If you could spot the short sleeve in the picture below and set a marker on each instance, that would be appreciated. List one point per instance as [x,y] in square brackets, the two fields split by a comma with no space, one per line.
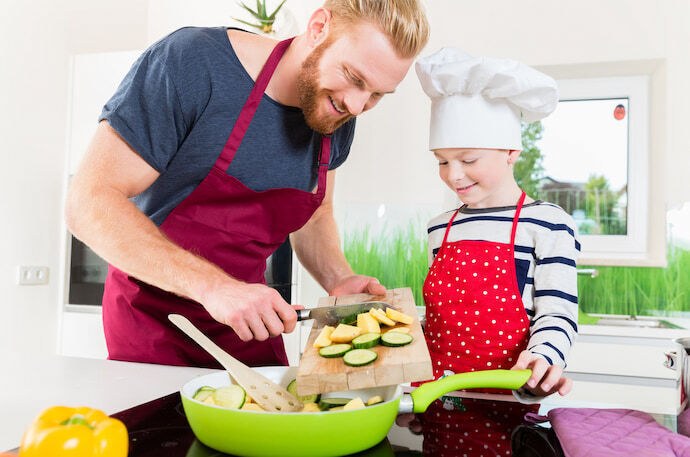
[146,111]
[344,136]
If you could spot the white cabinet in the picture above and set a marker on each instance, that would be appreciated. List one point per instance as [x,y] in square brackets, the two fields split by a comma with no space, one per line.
[94,79]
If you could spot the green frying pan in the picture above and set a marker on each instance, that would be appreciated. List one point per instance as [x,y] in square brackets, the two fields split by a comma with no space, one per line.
[322,434]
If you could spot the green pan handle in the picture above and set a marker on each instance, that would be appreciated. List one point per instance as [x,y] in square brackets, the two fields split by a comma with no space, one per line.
[425,394]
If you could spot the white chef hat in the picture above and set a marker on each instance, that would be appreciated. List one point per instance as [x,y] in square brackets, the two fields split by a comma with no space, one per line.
[476,102]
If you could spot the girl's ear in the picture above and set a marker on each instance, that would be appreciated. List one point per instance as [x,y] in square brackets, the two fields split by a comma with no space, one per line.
[513,155]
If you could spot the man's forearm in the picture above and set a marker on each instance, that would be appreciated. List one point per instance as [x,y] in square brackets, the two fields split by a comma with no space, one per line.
[317,246]
[120,233]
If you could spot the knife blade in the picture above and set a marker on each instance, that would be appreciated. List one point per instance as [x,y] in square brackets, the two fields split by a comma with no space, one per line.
[331,315]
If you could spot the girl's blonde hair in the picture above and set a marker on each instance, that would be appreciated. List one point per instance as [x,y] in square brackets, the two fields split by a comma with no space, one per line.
[403,21]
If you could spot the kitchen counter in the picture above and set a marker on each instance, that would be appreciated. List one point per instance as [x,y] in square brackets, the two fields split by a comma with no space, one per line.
[49,380]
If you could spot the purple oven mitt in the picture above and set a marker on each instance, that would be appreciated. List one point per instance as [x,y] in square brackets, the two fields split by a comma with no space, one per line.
[587,432]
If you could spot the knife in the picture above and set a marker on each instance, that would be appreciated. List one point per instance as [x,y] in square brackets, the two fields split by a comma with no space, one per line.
[331,315]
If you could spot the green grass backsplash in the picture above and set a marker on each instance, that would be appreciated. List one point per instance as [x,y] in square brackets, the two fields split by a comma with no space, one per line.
[398,258]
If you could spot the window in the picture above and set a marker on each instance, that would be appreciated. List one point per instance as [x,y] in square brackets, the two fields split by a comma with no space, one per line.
[594,151]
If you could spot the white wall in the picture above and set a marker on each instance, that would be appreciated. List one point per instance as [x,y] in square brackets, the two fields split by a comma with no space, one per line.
[36,39]
[584,38]
[389,157]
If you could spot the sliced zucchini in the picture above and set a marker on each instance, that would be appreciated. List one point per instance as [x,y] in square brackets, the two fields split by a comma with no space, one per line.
[334,350]
[203,392]
[328,403]
[292,388]
[203,395]
[232,396]
[366,341]
[395,339]
[359,357]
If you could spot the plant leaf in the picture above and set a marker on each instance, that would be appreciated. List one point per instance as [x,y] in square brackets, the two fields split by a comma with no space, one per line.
[249,23]
[262,9]
[251,11]
[273,15]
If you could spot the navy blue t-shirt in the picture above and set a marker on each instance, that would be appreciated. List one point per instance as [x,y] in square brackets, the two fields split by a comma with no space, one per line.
[177,106]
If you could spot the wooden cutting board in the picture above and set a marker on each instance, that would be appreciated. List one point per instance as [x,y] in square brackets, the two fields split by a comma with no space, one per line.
[394,365]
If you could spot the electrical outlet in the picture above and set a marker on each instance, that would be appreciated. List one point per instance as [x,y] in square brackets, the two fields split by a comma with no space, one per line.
[32,275]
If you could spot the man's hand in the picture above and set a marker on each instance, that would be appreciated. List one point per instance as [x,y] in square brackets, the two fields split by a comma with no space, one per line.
[356,284]
[546,379]
[253,311]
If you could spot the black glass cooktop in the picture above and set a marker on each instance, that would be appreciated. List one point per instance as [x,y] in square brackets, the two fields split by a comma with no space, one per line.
[451,428]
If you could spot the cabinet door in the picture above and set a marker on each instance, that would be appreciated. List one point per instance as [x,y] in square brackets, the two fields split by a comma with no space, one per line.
[94,79]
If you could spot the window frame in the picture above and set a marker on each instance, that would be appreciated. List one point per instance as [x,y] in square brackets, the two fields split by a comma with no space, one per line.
[634,246]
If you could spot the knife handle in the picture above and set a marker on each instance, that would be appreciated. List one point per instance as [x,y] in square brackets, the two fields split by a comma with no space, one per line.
[303,314]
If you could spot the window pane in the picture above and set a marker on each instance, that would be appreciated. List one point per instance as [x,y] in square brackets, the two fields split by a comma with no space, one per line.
[584,149]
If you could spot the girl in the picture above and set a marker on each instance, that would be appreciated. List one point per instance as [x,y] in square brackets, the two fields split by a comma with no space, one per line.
[501,291]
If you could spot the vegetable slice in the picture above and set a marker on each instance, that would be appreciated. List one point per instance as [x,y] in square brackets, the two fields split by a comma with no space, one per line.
[203,393]
[366,341]
[375,399]
[359,357]
[292,388]
[395,339]
[232,396]
[328,403]
[334,350]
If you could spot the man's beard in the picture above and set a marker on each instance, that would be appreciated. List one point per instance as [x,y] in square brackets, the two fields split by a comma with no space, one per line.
[309,92]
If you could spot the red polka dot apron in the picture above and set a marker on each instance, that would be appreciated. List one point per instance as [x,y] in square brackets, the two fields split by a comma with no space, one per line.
[480,428]
[475,319]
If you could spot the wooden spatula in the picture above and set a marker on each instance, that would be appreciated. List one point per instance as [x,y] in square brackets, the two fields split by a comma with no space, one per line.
[269,395]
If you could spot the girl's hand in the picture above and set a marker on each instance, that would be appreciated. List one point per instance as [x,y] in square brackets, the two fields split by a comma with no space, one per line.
[546,379]
[411,421]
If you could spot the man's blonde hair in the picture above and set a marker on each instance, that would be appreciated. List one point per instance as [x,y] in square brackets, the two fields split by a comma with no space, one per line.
[403,21]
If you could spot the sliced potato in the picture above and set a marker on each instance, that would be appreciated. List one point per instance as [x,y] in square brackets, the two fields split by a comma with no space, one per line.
[345,333]
[209,400]
[252,407]
[367,323]
[381,317]
[375,399]
[311,408]
[324,339]
[355,403]
[337,408]
[398,316]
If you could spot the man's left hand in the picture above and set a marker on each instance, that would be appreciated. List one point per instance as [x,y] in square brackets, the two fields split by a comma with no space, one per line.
[357,284]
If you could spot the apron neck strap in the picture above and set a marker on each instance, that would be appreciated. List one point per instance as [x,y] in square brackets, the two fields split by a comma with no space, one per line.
[250,106]
[516,218]
[324,160]
[450,224]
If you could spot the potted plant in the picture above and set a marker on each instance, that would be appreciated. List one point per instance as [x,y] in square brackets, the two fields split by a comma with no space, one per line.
[264,19]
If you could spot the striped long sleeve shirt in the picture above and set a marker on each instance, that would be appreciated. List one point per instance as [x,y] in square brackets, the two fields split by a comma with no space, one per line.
[546,250]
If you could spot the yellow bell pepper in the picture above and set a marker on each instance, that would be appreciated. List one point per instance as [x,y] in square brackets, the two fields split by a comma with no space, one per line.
[74,432]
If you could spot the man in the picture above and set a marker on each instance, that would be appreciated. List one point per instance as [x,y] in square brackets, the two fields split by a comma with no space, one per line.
[227,143]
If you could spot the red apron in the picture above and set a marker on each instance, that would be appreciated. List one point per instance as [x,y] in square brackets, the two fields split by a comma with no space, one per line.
[231,226]
[475,319]
[479,428]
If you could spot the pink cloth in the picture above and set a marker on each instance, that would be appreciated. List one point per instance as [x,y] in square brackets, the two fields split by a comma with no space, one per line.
[586,432]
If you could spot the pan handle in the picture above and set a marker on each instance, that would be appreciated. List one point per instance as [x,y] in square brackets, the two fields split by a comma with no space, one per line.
[425,394]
